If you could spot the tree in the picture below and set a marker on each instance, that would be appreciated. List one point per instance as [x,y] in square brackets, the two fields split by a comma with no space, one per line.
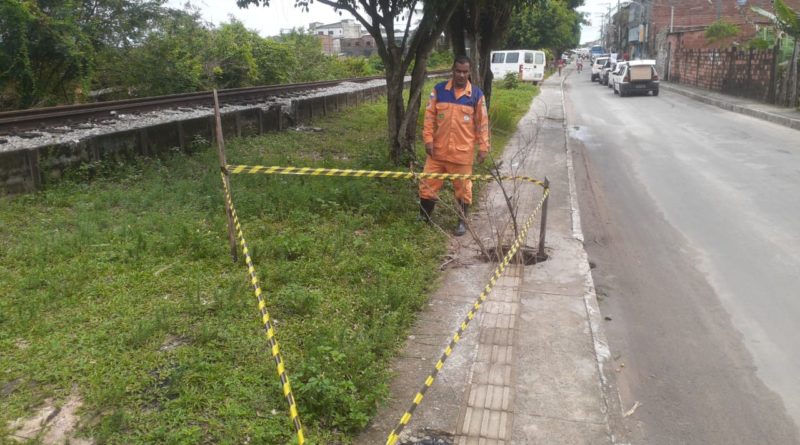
[399,47]
[43,51]
[172,58]
[232,62]
[554,25]
[49,48]
[484,23]
[789,21]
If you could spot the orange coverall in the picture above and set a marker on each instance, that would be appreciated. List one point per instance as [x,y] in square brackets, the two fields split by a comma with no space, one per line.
[455,121]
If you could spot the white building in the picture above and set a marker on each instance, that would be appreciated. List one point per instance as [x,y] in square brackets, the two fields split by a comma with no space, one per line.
[345,29]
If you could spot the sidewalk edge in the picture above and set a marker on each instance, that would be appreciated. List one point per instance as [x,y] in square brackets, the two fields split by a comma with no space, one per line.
[612,408]
[759,114]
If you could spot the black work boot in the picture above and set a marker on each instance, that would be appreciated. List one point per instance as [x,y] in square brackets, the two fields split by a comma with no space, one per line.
[461,228]
[426,209]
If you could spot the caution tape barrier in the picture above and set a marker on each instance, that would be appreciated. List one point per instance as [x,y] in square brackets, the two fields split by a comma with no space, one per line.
[270,331]
[307,171]
[498,272]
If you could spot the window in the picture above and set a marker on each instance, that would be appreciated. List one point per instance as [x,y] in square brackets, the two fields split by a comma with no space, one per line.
[539,58]
[512,57]
[330,33]
[528,57]
[369,42]
[498,57]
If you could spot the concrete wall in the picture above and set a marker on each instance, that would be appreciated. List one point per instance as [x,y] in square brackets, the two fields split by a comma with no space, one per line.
[27,170]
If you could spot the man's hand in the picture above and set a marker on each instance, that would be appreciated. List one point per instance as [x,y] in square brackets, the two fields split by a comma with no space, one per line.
[482,156]
[429,148]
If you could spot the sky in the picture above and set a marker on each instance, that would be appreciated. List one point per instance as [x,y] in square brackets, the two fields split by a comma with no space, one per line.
[268,21]
[594,10]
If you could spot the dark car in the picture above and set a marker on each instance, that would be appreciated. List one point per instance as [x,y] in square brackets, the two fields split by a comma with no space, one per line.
[637,77]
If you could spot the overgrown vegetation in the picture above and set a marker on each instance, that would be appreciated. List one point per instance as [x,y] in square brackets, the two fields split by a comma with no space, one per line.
[510,81]
[721,30]
[121,288]
[55,52]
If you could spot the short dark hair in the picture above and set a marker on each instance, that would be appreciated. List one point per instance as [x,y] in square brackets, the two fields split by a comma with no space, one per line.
[462,60]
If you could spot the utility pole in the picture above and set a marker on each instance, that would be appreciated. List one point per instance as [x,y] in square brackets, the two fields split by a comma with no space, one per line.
[619,28]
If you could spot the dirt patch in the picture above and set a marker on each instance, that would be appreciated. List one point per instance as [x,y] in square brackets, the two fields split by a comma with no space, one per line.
[51,424]
[173,342]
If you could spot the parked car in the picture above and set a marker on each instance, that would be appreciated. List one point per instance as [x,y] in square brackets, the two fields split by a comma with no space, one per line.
[528,63]
[607,68]
[597,66]
[637,77]
[612,75]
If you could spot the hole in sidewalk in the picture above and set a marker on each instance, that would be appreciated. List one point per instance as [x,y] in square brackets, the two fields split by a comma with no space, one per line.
[439,438]
[530,255]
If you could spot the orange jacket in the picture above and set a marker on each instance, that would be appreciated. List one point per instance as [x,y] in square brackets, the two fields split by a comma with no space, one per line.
[455,121]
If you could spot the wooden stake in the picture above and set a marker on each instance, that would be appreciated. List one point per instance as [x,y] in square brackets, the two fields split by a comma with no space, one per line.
[226,177]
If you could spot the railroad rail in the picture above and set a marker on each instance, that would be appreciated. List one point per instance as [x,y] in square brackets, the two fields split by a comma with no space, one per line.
[35,118]
[18,121]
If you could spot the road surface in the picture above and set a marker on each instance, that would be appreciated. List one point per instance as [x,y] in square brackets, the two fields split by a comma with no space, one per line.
[691,216]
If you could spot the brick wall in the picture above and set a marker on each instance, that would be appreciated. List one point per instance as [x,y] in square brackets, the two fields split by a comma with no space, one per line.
[693,15]
[730,71]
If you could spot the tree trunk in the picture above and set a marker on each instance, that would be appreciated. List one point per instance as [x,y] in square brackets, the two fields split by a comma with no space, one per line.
[457,39]
[408,127]
[394,113]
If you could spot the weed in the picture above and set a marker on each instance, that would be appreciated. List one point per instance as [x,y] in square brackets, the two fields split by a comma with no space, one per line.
[511,81]
[98,275]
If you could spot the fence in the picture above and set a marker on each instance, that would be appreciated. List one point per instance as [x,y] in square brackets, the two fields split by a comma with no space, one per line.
[750,73]
[754,74]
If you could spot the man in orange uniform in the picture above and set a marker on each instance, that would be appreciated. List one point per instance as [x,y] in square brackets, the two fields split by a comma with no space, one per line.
[455,122]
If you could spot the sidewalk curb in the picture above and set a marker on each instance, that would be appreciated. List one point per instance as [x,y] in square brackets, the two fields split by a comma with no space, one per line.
[759,114]
[600,343]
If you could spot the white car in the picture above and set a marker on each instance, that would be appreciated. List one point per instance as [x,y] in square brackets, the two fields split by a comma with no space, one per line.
[617,70]
[637,77]
[597,66]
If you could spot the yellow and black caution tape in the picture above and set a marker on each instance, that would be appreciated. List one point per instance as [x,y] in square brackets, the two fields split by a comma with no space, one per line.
[498,272]
[308,171]
[270,331]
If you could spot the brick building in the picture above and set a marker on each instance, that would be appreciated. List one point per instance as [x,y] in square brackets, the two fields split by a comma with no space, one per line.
[334,35]
[648,28]
[362,46]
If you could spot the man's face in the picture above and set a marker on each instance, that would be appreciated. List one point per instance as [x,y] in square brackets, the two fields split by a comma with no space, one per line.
[460,74]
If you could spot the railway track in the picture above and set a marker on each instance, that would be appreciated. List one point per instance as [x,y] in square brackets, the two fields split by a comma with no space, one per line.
[20,121]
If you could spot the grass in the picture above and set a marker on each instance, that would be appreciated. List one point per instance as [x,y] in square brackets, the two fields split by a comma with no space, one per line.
[121,288]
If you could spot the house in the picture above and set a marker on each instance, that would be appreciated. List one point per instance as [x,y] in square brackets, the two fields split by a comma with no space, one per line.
[362,46]
[647,28]
[345,29]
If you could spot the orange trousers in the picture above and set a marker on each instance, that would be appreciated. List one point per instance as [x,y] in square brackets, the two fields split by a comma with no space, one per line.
[429,187]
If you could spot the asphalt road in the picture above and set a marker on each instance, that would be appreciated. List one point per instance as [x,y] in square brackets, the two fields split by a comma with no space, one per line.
[691,218]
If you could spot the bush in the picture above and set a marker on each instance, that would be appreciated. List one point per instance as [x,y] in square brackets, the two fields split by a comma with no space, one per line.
[440,60]
[511,81]
[721,30]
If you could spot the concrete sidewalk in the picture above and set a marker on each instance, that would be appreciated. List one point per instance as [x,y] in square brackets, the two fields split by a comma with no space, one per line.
[787,117]
[531,366]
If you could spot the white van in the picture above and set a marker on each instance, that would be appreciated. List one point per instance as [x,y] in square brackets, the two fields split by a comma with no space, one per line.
[527,63]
